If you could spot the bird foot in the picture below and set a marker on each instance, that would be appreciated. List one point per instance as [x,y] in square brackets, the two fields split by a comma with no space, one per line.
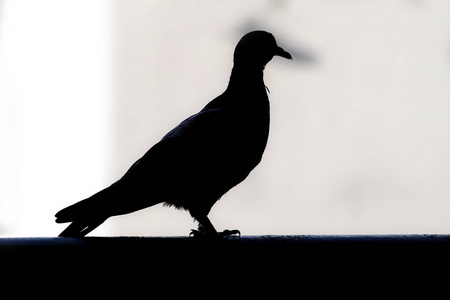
[227,233]
[224,234]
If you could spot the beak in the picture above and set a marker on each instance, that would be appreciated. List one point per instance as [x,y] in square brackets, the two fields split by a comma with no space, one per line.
[280,52]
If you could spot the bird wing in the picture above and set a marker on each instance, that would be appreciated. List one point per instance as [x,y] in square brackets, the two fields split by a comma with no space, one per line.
[200,158]
[196,142]
[164,173]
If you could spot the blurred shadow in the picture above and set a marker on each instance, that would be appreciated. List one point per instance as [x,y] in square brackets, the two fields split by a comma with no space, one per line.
[301,54]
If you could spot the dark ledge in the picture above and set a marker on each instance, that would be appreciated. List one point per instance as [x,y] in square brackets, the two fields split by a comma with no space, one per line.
[290,247]
[164,260]
[235,243]
[257,266]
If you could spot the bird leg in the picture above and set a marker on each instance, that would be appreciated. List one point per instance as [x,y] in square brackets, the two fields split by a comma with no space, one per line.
[207,230]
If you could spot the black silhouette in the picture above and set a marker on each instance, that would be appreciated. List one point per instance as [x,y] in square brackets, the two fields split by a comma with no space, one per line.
[199,160]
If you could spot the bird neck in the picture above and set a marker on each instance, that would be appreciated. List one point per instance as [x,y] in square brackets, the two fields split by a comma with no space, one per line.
[247,77]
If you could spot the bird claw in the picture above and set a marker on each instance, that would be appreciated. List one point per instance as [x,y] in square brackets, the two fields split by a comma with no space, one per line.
[224,234]
[227,233]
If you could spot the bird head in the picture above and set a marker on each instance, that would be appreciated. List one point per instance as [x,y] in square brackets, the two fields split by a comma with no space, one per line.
[257,48]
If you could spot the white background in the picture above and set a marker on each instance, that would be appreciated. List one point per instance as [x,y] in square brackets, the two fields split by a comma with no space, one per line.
[360,133]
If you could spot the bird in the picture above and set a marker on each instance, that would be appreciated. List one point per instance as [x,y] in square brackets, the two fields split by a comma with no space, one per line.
[199,160]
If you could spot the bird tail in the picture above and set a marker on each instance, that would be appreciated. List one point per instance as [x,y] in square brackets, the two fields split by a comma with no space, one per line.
[80,228]
[85,216]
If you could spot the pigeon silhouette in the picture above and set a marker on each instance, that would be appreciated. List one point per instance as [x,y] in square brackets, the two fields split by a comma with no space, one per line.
[202,158]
